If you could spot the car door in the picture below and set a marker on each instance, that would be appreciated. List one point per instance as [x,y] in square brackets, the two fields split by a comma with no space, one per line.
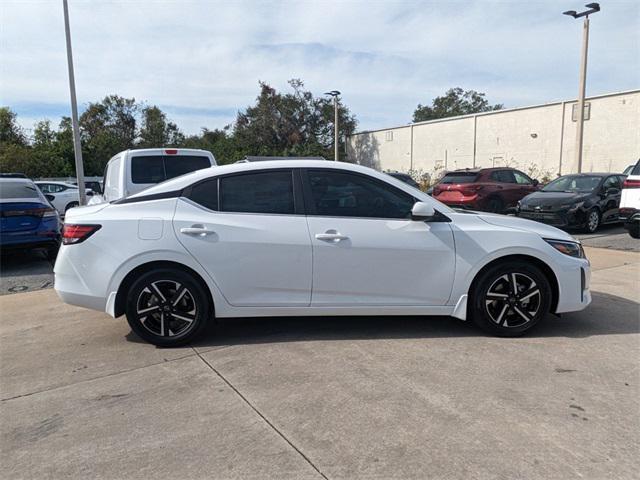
[610,194]
[249,232]
[526,185]
[366,250]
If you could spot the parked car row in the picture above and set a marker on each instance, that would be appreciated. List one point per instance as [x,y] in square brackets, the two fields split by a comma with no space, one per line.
[583,201]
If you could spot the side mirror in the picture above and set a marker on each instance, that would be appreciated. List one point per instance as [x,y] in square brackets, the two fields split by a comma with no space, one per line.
[535,182]
[49,197]
[422,211]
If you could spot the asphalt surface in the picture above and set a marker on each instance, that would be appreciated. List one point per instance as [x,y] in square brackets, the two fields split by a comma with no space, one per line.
[327,398]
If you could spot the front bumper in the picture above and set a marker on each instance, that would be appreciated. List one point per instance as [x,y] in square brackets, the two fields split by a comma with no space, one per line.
[556,218]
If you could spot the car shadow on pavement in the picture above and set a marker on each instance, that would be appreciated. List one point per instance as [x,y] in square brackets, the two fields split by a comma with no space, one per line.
[607,315]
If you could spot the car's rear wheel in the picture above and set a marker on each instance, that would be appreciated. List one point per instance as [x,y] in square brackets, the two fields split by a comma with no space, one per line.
[593,221]
[167,308]
[510,298]
[495,205]
[71,205]
[634,230]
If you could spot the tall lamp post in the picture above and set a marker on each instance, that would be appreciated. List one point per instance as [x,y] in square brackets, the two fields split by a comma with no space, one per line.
[593,8]
[77,146]
[334,94]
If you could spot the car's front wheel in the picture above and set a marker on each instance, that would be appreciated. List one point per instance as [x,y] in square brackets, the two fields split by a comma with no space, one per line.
[510,298]
[593,221]
[167,308]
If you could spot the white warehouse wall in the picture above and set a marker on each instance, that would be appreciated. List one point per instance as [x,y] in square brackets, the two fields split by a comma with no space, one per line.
[540,140]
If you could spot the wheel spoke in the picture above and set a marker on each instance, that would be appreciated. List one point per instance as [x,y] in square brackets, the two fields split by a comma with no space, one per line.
[178,295]
[162,324]
[184,317]
[523,314]
[514,283]
[148,310]
[529,293]
[158,292]
[496,295]
[502,312]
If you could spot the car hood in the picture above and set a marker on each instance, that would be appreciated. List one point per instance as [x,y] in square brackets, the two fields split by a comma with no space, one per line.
[549,200]
[545,231]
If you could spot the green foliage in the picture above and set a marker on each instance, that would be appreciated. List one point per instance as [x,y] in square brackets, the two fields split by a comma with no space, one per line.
[453,103]
[284,124]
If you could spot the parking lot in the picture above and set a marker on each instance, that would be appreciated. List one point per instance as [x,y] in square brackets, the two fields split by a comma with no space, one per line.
[334,397]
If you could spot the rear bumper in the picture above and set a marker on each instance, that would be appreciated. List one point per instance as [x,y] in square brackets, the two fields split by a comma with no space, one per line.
[72,276]
[629,215]
[9,241]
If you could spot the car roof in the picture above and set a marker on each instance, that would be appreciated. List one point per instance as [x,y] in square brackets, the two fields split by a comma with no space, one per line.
[188,179]
[56,182]
[15,180]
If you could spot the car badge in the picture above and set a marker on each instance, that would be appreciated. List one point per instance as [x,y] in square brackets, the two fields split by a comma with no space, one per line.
[538,207]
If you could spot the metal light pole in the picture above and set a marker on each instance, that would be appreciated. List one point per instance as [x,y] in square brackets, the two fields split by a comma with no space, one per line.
[77,146]
[593,8]
[334,94]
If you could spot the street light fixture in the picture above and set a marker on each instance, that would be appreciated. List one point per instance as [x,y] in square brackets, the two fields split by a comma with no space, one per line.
[593,8]
[334,94]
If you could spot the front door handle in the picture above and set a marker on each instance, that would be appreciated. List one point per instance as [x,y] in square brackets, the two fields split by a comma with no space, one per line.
[331,237]
[196,230]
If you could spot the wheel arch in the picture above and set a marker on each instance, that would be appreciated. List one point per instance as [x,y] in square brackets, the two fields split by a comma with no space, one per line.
[127,281]
[544,267]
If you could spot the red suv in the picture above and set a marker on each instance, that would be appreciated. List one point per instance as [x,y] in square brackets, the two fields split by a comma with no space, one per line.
[489,189]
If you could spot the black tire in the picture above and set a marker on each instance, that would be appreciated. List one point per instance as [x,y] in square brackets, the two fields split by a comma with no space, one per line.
[508,314]
[495,205]
[634,230]
[593,221]
[52,252]
[167,307]
[71,205]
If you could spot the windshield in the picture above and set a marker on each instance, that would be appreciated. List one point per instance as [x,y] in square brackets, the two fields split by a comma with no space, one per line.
[573,183]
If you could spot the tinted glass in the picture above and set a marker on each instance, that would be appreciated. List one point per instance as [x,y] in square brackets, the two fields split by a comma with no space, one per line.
[522,179]
[636,169]
[11,190]
[573,183]
[459,177]
[340,194]
[176,165]
[265,192]
[206,194]
[611,182]
[503,176]
[147,169]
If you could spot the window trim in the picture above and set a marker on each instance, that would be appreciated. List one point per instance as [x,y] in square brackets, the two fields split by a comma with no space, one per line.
[298,205]
[310,204]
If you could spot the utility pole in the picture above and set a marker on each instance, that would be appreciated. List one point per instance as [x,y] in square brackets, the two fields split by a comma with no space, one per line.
[77,146]
[593,8]
[336,134]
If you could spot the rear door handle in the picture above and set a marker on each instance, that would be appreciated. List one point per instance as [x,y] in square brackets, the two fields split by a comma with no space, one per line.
[198,231]
[331,237]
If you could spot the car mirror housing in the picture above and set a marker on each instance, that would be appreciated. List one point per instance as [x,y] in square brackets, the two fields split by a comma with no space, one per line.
[535,182]
[422,211]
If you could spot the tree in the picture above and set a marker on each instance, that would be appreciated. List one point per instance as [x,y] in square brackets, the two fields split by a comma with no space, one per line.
[156,131]
[290,124]
[454,102]
[10,131]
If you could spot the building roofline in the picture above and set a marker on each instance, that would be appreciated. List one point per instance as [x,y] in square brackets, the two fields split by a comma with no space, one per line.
[494,112]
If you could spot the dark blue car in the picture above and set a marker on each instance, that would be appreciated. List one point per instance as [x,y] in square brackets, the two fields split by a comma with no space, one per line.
[27,219]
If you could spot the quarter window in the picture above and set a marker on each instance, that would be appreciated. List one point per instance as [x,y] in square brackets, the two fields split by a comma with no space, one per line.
[264,192]
[206,194]
[339,194]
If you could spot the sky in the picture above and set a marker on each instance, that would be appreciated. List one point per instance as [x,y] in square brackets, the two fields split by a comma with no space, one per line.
[201,61]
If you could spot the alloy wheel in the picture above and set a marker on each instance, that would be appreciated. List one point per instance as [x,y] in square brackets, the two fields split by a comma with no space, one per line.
[593,220]
[513,300]
[166,308]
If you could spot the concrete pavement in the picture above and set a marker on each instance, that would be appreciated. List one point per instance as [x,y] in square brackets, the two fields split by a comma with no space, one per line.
[338,397]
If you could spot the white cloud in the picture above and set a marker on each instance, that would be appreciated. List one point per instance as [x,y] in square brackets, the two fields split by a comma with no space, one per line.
[202,60]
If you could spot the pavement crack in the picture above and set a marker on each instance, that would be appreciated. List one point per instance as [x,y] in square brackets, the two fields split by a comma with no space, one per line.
[255,409]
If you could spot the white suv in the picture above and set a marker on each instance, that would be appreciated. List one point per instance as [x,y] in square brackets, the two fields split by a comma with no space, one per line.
[630,202]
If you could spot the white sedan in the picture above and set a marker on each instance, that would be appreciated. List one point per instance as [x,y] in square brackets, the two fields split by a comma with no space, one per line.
[62,195]
[310,238]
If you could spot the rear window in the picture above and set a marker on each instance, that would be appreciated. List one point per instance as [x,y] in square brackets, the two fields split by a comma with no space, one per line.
[13,190]
[459,177]
[158,168]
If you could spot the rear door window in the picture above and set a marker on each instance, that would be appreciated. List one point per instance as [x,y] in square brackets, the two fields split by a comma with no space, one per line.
[147,169]
[176,165]
[158,168]
[264,192]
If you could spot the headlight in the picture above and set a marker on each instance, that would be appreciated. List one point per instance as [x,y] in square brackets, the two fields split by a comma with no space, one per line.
[572,206]
[573,249]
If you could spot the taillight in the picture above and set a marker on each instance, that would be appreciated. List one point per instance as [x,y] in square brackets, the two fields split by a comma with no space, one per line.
[631,183]
[72,234]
